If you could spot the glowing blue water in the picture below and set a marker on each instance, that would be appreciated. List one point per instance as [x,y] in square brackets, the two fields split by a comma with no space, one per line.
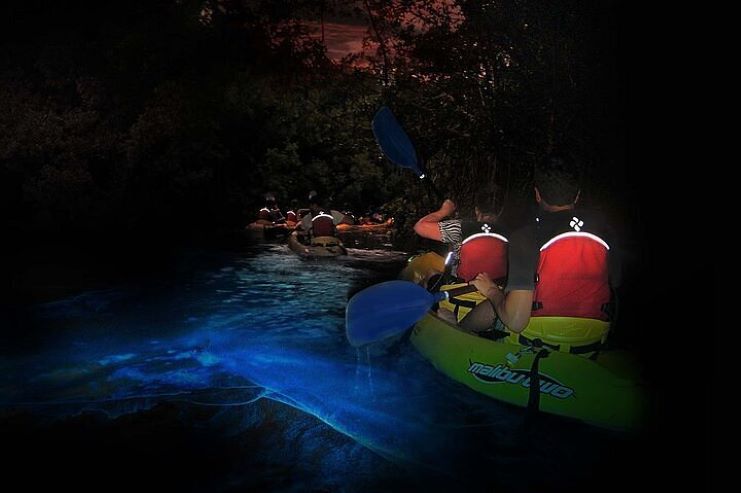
[234,331]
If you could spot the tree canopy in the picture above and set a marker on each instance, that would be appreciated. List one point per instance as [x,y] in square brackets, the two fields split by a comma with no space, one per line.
[142,115]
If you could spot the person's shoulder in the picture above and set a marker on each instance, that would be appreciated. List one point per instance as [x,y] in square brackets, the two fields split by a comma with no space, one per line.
[524,233]
[592,220]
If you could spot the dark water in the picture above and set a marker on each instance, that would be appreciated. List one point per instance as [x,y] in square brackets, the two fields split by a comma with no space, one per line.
[232,373]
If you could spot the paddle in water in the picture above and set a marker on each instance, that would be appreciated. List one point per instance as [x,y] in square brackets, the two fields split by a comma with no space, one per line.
[390,308]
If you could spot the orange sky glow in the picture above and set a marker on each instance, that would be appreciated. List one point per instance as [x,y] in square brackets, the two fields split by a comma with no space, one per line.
[340,39]
[345,39]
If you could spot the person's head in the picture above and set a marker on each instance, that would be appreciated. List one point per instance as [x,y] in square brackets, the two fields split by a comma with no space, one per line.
[487,204]
[315,202]
[556,181]
[270,200]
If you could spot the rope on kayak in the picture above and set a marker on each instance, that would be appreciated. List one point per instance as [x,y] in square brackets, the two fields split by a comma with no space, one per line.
[533,402]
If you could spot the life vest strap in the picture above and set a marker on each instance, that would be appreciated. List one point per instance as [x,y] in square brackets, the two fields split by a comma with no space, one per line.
[457,304]
[464,303]
[609,310]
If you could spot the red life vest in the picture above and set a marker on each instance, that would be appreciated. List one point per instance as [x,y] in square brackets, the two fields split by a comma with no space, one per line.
[322,224]
[265,214]
[572,277]
[483,252]
[291,216]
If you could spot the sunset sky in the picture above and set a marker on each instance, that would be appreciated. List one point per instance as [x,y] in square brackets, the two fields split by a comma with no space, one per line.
[344,35]
[341,39]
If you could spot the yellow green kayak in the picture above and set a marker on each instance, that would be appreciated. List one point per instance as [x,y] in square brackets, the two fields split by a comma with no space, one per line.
[603,389]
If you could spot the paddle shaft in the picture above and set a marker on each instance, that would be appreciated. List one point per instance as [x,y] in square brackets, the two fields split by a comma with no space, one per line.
[439,196]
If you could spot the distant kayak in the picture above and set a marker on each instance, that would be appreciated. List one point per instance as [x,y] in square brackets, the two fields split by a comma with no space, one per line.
[268,231]
[321,246]
[366,228]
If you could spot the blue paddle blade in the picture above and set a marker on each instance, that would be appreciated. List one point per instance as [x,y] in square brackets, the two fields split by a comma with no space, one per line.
[385,310]
[394,142]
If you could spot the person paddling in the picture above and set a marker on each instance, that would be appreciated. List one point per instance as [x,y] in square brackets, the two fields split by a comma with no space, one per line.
[321,221]
[270,214]
[477,245]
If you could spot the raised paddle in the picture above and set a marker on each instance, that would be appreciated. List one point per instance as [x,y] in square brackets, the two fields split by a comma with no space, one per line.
[390,308]
[397,146]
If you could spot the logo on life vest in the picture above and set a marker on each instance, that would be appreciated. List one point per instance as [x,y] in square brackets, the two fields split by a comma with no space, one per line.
[576,223]
[486,228]
[501,374]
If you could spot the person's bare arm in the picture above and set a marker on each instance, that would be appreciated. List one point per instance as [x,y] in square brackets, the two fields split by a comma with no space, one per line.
[513,308]
[428,227]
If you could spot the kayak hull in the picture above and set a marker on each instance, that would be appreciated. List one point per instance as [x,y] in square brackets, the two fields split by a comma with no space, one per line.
[267,231]
[604,390]
[331,247]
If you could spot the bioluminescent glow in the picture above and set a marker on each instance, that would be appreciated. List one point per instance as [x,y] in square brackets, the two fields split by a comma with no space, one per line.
[239,330]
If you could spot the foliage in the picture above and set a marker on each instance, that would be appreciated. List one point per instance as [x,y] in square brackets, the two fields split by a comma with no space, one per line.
[179,114]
